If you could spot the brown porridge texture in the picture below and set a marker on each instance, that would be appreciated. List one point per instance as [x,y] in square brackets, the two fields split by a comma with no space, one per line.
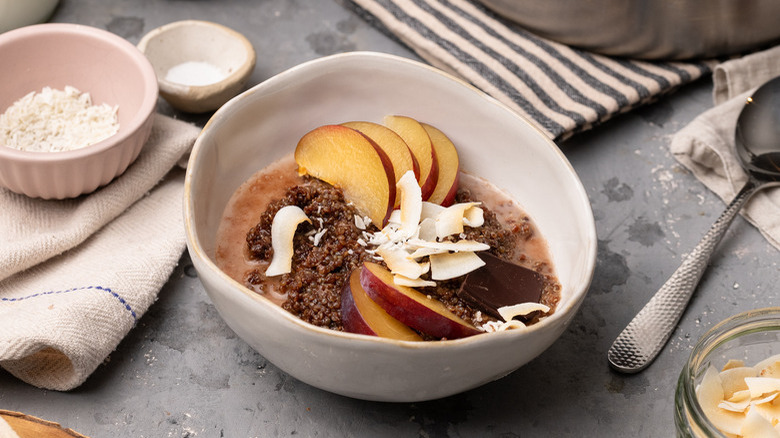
[320,272]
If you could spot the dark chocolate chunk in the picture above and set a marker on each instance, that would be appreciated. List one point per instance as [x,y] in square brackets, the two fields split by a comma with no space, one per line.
[500,283]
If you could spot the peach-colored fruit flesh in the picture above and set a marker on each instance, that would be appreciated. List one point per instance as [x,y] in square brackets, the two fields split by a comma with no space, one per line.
[394,146]
[360,314]
[420,144]
[349,160]
[412,307]
[449,167]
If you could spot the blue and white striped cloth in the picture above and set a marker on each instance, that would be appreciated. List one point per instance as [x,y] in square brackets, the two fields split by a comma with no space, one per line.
[563,89]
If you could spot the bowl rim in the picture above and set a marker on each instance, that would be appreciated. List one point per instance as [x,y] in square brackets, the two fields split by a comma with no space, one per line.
[233,77]
[148,104]
[197,251]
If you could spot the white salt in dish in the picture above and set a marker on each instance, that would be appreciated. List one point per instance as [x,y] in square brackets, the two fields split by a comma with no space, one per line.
[195,73]
[199,65]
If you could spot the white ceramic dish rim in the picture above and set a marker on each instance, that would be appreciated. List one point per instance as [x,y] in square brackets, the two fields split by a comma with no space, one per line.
[148,105]
[233,77]
[562,312]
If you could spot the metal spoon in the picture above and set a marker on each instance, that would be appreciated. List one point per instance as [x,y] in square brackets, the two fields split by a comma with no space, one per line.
[757,143]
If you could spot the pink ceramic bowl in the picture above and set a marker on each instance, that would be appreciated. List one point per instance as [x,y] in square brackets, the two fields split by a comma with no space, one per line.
[106,66]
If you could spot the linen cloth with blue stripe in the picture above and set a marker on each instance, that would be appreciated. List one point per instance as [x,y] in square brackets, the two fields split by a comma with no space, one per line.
[77,274]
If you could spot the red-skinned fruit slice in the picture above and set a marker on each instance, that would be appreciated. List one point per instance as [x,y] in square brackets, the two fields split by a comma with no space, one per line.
[412,307]
[394,146]
[351,161]
[449,167]
[360,314]
[420,144]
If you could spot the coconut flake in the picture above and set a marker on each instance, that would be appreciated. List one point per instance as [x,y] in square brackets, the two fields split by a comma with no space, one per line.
[318,236]
[759,386]
[474,217]
[283,228]
[450,220]
[412,282]
[427,230]
[398,261]
[360,223]
[739,406]
[755,425]
[733,380]
[430,210]
[710,393]
[424,247]
[522,309]
[411,203]
[453,265]
[495,326]
[395,218]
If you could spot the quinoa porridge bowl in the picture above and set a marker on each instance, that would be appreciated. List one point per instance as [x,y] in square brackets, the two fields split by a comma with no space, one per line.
[340,247]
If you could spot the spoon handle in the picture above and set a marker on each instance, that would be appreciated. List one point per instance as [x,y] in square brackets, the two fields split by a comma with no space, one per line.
[644,337]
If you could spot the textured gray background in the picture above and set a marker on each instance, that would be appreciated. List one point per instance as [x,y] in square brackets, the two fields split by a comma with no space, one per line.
[182,372]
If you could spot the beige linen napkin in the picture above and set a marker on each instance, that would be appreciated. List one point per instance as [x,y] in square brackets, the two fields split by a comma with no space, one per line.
[76,275]
[706,145]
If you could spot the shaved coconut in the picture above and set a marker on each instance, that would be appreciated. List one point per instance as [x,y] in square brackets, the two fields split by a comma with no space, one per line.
[411,203]
[360,223]
[427,230]
[522,309]
[474,217]
[412,282]
[768,410]
[733,380]
[771,370]
[740,406]
[755,425]
[733,363]
[450,220]
[710,394]
[763,400]
[425,248]
[395,217]
[759,386]
[430,210]
[766,363]
[740,401]
[453,265]
[283,228]
[740,396]
[495,326]
[316,238]
[398,262]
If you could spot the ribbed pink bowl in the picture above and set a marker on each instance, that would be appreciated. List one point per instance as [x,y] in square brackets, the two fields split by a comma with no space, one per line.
[110,69]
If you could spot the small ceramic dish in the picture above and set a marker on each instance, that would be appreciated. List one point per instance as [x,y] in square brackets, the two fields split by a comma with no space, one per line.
[265,123]
[199,65]
[110,69]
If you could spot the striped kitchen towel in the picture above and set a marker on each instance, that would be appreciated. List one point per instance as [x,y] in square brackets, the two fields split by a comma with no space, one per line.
[563,89]
[77,274]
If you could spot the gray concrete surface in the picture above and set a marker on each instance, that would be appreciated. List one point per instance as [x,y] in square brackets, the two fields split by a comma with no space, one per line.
[182,372]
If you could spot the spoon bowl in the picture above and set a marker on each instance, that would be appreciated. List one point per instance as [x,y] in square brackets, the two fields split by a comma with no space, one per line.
[757,137]
[757,146]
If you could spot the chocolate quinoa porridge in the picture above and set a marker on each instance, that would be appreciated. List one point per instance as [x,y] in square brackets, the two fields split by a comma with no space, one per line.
[312,291]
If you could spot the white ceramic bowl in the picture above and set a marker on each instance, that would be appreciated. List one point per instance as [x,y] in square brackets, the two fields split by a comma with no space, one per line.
[213,63]
[265,123]
[109,68]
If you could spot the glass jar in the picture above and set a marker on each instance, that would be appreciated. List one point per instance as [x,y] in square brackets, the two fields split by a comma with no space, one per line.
[750,336]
